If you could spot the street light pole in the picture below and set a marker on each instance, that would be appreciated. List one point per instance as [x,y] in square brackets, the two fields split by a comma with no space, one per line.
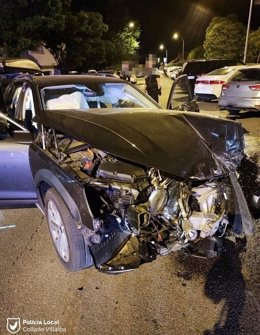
[176,37]
[182,49]
[248,29]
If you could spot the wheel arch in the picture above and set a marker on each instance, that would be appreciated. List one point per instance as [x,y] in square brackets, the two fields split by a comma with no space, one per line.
[45,179]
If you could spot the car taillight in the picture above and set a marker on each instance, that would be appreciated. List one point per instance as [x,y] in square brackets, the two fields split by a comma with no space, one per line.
[201,81]
[210,82]
[216,82]
[225,87]
[254,87]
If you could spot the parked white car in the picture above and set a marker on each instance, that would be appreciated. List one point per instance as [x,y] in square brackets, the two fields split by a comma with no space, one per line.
[208,87]
[242,92]
[172,71]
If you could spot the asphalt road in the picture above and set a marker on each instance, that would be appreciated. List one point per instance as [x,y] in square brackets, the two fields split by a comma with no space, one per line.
[170,296]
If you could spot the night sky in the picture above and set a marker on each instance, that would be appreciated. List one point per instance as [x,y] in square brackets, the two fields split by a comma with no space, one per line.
[159,19]
[189,17]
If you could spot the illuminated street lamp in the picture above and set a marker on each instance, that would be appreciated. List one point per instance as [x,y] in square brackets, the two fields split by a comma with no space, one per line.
[131,25]
[162,47]
[176,36]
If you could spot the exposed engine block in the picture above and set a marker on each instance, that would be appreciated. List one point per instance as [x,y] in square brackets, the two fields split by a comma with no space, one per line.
[163,214]
[169,214]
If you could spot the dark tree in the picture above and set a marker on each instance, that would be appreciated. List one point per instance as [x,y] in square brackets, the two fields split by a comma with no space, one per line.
[225,38]
[75,39]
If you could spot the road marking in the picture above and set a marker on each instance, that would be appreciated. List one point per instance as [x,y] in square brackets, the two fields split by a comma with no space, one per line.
[8,226]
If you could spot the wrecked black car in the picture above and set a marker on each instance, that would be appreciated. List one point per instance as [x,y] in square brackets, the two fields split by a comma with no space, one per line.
[120,180]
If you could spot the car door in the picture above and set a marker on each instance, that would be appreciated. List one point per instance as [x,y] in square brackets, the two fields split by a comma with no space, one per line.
[181,97]
[16,182]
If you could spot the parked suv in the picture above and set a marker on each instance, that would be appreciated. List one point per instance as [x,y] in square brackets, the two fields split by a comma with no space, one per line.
[199,67]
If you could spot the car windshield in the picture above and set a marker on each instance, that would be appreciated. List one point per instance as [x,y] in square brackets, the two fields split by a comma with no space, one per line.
[94,95]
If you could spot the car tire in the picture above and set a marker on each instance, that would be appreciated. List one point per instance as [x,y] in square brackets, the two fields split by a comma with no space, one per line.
[68,242]
[233,111]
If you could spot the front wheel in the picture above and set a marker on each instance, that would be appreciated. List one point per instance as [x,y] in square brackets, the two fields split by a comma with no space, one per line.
[68,242]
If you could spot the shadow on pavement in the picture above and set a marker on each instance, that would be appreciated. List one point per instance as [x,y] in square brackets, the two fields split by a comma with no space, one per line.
[225,283]
[243,115]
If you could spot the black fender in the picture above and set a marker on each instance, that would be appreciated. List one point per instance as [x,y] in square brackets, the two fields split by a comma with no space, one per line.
[82,216]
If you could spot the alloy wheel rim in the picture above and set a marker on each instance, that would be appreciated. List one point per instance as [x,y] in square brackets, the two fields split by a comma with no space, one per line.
[58,231]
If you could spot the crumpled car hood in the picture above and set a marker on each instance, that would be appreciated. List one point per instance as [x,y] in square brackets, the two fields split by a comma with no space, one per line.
[178,143]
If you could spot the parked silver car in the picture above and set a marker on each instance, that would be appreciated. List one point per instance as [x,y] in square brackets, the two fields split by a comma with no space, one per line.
[242,92]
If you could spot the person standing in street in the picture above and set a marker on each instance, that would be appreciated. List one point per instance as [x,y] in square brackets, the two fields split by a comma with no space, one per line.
[152,80]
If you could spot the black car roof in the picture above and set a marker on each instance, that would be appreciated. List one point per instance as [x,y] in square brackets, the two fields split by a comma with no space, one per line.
[70,79]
